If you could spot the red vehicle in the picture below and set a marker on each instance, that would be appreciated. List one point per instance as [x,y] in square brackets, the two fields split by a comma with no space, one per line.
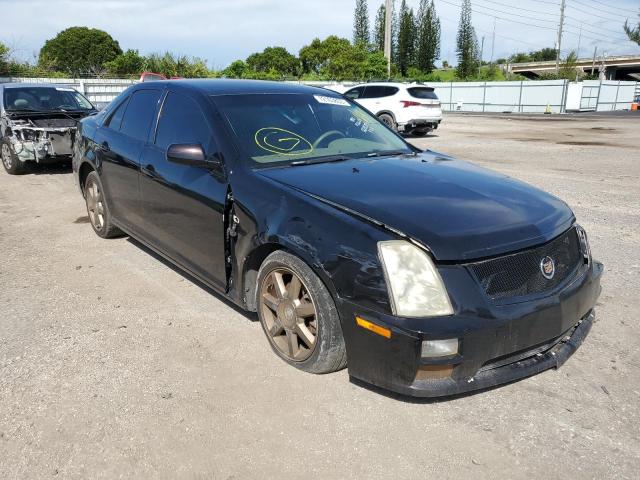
[154,77]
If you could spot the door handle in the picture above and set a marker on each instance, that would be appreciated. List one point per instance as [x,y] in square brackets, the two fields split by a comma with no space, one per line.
[104,146]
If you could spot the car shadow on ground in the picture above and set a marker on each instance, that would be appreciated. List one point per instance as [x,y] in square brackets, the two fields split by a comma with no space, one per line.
[417,137]
[50,169]
[251,316]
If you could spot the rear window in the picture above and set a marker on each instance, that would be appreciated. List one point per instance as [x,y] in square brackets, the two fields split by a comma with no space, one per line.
[423,92]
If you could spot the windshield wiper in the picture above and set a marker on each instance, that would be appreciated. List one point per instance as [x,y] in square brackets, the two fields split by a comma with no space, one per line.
[328,159]
[389,153]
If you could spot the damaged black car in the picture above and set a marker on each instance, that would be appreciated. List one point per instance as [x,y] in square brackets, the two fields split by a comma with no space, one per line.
[420,273]
[38,124]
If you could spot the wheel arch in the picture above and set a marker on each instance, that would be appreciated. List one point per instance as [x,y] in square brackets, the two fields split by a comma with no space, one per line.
[387,112]
[83,172]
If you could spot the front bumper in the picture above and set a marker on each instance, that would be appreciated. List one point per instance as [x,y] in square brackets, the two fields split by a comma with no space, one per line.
[498,344]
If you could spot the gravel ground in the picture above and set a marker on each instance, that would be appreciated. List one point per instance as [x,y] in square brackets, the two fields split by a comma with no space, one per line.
[112,364]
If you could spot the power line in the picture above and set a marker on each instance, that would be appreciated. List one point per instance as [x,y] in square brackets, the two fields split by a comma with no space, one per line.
[621,37]
[616,8]
[592,9]
[516,14]
[547,2]
[521,9]
[529,24]
[497,34]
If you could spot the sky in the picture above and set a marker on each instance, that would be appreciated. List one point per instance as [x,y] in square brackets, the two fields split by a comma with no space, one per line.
[221,31]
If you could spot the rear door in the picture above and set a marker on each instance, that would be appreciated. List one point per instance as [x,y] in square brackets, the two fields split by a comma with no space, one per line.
[119,145]
[184,204]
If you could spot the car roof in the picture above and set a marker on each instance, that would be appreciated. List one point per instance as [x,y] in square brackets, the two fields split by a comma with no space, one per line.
[391,84]
[32,85]
[232,86]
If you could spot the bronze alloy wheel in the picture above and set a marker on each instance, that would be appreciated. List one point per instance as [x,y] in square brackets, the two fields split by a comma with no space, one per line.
[289,314]
[6,156]
[95,204]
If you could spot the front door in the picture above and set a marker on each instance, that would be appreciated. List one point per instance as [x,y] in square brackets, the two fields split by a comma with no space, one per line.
[184,205]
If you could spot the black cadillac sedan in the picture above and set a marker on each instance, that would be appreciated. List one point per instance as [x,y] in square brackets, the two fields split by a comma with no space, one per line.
[423,274]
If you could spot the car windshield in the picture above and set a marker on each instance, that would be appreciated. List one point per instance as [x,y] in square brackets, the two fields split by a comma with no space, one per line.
[45,99]
[294,128]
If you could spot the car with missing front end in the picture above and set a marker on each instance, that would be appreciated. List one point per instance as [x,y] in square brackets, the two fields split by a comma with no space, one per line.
[421,273]
[38,123]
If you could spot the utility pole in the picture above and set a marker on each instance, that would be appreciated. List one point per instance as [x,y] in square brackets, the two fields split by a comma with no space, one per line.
[579,42]
[593,65]
[481,51]
[493,39]
[559,42]
[388,20]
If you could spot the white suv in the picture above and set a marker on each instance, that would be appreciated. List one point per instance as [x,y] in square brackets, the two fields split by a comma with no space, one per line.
[410,108]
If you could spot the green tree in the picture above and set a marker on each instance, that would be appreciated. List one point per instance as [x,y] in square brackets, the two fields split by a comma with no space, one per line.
[406,39]
[544,54]
[428,36]
[127,63]
[378,32]
[236,70]
[4,59]
[361,23]
[632,32]
[317,56]
[466,44]
[274,59]
[79,51]
[336,58]
[171,65]
[375,67]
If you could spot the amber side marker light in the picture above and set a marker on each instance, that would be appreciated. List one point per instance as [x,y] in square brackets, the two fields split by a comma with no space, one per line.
[384,332]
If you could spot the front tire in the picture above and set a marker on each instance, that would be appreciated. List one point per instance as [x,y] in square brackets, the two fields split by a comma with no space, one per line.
[10,160]
[98,209]
[298,315]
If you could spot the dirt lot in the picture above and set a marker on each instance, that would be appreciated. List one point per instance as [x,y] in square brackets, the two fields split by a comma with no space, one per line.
[112,364]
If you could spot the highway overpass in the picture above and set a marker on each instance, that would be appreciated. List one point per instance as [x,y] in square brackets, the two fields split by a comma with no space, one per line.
[620,67]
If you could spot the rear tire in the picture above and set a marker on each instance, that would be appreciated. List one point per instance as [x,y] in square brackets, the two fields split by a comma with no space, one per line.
[298,315]
[10,160]
[98,208]
[388,121]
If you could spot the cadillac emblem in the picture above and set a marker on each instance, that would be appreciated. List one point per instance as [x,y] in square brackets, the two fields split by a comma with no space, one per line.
[548,267]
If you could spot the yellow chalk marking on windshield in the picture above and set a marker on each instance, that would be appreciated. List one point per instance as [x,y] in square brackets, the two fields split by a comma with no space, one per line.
[263,140]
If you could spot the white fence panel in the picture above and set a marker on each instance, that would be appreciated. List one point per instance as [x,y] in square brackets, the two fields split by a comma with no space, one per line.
[517,97]
[539,95]
[503,97]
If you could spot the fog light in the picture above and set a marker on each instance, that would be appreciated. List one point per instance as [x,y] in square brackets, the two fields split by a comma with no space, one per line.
[439,348]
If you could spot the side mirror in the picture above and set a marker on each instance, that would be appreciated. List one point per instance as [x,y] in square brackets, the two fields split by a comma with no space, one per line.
[190,154]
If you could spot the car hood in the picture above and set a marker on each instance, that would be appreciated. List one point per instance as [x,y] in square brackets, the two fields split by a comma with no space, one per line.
[458,210]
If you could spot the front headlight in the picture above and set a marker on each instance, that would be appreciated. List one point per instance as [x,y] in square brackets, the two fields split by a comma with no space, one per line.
[584,243]
[415,287]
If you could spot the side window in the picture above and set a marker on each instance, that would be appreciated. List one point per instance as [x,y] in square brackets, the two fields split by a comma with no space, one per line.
[182,121]
[379,91]
[115,119]
[354,93]
[140,114]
